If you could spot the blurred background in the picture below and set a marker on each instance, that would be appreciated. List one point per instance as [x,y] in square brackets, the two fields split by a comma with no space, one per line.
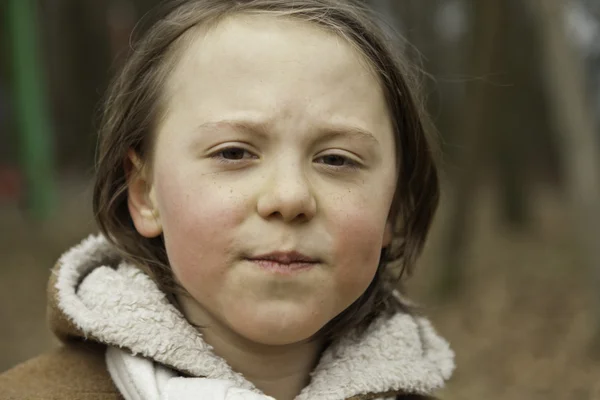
[511,273]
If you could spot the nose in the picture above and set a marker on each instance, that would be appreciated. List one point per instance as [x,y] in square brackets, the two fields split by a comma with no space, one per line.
[287,195]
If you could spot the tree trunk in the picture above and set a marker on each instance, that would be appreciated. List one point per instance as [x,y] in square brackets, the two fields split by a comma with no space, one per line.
[565,82]
[487,20]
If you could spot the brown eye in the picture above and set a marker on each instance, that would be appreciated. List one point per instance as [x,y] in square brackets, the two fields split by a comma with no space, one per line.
[335,160]
[338,162]
[233,153]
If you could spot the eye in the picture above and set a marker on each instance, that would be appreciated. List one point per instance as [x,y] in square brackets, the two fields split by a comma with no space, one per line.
[334,159]
[337,161]
[232,154]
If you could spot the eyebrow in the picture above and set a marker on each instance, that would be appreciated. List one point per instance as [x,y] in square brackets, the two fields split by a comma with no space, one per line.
[329,132]
[257,128]
[344,131]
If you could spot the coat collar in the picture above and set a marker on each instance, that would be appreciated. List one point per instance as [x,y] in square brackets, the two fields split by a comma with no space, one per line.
[95,295]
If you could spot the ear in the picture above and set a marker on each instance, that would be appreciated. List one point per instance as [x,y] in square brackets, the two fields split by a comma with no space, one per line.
[141,200]
[388,234]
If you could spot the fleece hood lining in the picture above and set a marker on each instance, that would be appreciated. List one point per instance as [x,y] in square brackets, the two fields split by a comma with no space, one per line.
[110,301]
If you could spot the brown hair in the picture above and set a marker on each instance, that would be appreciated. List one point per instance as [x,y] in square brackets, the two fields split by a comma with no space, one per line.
[133,108]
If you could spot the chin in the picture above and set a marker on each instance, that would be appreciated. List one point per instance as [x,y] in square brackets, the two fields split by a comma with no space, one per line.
[280,329]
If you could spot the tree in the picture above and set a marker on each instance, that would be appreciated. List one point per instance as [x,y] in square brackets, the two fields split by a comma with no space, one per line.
[488,17]
[565,83]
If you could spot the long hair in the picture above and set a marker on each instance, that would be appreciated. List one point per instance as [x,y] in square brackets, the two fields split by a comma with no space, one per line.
[134,106]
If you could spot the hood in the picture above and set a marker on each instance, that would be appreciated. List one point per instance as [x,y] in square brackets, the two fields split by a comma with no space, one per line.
[95,295]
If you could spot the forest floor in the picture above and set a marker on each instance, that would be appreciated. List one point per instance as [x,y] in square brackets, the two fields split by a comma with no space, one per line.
[522,325]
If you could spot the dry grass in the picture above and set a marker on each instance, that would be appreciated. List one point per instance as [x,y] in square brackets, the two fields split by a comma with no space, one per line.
[522,325]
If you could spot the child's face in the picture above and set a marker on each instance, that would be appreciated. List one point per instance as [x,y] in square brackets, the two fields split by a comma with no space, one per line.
[276,138]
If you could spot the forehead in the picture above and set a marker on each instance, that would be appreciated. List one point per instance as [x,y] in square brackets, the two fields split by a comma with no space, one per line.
[262,64]
[257,37]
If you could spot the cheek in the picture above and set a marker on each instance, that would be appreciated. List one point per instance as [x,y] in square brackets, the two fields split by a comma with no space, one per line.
[197,222]
[357,223]
[357,244]
[194,213]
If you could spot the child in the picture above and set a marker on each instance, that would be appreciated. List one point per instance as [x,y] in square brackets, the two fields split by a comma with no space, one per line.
[262,169]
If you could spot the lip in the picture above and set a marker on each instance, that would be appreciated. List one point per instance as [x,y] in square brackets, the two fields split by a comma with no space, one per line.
[287,257]
[284,263]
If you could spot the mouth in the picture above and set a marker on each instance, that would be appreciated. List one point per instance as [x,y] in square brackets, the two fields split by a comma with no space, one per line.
[289,257]
[284,262]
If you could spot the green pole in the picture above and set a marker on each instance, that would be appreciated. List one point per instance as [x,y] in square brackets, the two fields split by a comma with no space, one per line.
[31,109]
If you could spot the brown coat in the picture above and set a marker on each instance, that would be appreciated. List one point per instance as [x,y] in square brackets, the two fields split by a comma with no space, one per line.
[76,371]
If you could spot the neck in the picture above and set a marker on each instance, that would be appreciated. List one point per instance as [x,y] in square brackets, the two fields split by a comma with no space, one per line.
[280,371]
